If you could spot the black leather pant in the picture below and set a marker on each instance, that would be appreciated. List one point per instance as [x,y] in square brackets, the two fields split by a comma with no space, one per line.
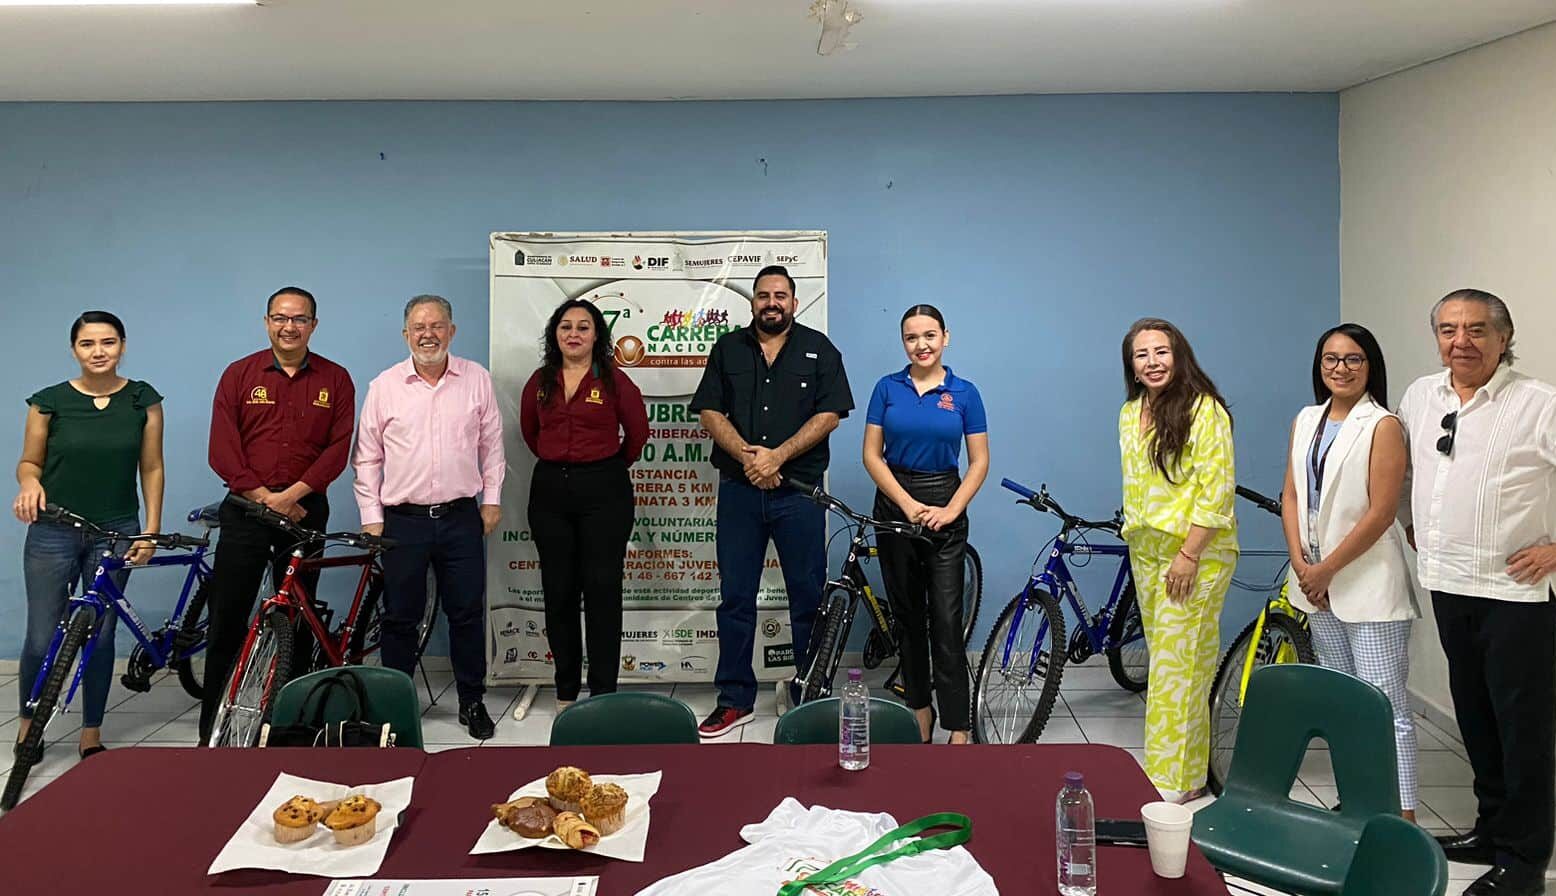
[924,582]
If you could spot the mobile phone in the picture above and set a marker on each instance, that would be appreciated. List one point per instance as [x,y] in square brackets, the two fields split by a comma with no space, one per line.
[1120,832]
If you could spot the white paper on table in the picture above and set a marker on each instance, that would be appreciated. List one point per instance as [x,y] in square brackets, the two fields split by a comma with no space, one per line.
[255,846]
[627,844]
[510,886]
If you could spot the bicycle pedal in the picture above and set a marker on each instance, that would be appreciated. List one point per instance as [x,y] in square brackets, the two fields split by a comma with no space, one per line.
[135,683]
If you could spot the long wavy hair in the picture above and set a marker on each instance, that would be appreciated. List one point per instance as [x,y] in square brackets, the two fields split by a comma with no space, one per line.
[1172,412]
[603,361]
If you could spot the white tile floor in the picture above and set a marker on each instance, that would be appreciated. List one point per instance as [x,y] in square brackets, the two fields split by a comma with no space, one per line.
[1093,710]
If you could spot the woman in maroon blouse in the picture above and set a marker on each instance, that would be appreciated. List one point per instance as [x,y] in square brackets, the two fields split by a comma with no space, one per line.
[586,423]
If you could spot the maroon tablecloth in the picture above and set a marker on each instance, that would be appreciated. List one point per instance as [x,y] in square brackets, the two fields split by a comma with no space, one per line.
[158,816]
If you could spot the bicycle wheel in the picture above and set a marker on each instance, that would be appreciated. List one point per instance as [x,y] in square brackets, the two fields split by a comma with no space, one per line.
[191,634]
[972,594]
[826,645]
[1129,659]
[76,632]
[1284,640]
[257,677]
[1018,675]
[369,630]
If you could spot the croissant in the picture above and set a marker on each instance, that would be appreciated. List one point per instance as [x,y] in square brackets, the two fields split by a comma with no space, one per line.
[574,831]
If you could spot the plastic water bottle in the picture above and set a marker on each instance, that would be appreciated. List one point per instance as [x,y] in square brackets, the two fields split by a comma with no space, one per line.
[853,724]
[1077,826]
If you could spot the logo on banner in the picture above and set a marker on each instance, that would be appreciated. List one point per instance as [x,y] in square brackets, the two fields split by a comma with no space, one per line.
[646,634]
[630,351]
[749,261]
[510,656]
[518,257]
[699,264]
[771,628]
[628,662]
[653,666]
[697,664]
[786,259]
[565,260]
[652,264]
[259,395]
[778,656]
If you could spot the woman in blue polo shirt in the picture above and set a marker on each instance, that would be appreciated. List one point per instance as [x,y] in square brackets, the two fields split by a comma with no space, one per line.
[917,421]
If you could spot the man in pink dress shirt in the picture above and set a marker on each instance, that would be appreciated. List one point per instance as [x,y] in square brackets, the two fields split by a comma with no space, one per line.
[429,465]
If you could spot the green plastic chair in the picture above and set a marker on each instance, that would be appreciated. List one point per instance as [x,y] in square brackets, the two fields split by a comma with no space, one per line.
[391,698]
[816,723]
[1396,858]
[625,717]
[1255,830]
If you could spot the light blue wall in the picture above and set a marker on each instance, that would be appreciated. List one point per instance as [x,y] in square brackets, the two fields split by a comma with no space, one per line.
[1041,225]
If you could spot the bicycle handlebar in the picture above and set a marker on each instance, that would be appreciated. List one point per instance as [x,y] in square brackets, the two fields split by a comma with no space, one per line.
[54,513]
[1269,505]
[304,535]
[815,493]
[1042,501]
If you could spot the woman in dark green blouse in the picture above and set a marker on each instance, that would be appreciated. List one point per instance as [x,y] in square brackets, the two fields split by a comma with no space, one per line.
[86,440]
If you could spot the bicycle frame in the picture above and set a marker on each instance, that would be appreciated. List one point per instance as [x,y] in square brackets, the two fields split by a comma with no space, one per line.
[1280,603]
[293,598]
[105,595]
[853,581]
[1060,582]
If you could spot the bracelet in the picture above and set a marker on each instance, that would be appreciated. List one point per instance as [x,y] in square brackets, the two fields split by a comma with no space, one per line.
[1187,556]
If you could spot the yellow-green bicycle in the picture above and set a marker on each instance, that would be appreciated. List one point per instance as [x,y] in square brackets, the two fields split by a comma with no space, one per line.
[1278,635]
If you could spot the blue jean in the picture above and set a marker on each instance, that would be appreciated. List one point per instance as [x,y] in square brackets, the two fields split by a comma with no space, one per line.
[748,518]
[56,559]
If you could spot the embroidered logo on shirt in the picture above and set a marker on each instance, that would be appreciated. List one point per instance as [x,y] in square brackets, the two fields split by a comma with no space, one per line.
[259,395]
[594,396]
[323,401]
[945,402]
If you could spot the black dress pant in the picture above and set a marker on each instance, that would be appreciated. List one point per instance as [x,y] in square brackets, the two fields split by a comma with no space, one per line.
[454,547]
[580,516]
[924,582]
[1502,674]
[244,547]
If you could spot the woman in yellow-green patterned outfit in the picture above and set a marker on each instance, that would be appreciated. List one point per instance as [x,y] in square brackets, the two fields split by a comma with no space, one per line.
[1175,436]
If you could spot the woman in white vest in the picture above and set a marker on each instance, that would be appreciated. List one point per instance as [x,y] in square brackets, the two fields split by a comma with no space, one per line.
[1349,566]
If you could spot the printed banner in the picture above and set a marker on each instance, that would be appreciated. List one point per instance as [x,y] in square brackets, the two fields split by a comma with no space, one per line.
[667,298]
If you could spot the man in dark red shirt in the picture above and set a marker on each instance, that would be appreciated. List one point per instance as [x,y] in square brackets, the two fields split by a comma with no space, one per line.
[280,434]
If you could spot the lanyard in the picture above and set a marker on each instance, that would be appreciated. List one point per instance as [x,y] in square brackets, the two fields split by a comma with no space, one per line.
[1315,461]
[848,866]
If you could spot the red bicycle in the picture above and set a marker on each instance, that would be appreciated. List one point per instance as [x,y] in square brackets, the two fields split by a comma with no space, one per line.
[265,662]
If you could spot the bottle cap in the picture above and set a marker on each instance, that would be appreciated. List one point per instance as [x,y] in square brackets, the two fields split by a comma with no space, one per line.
[855,674]
[1074,779]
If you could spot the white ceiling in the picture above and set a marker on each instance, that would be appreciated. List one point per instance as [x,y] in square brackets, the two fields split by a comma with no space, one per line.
[719,49]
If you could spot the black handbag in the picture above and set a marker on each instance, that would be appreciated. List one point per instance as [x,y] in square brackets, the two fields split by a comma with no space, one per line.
[352,731]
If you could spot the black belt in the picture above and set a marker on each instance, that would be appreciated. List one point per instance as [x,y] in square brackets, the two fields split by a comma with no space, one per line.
[433,511]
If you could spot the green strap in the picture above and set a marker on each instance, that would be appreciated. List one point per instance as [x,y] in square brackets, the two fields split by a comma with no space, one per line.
[849,866]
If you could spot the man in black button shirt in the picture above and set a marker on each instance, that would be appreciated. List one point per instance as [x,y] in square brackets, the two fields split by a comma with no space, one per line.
[770,395]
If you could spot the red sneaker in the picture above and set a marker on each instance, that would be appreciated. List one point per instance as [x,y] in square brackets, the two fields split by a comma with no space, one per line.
[723,720]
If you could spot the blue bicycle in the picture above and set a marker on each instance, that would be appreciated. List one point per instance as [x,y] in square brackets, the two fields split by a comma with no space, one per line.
[1023,661]
[176,644]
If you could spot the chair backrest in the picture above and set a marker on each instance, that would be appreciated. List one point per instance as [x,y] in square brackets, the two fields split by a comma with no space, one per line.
[391,698]
[625,717]
[1396,858]
[1290,704]
[816,723]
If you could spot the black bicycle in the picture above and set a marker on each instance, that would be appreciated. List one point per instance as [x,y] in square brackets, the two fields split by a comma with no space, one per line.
[841,597]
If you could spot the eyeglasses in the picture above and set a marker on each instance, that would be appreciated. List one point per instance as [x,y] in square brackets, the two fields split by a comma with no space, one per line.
[281,320]
[1451,425]
[1352,362]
